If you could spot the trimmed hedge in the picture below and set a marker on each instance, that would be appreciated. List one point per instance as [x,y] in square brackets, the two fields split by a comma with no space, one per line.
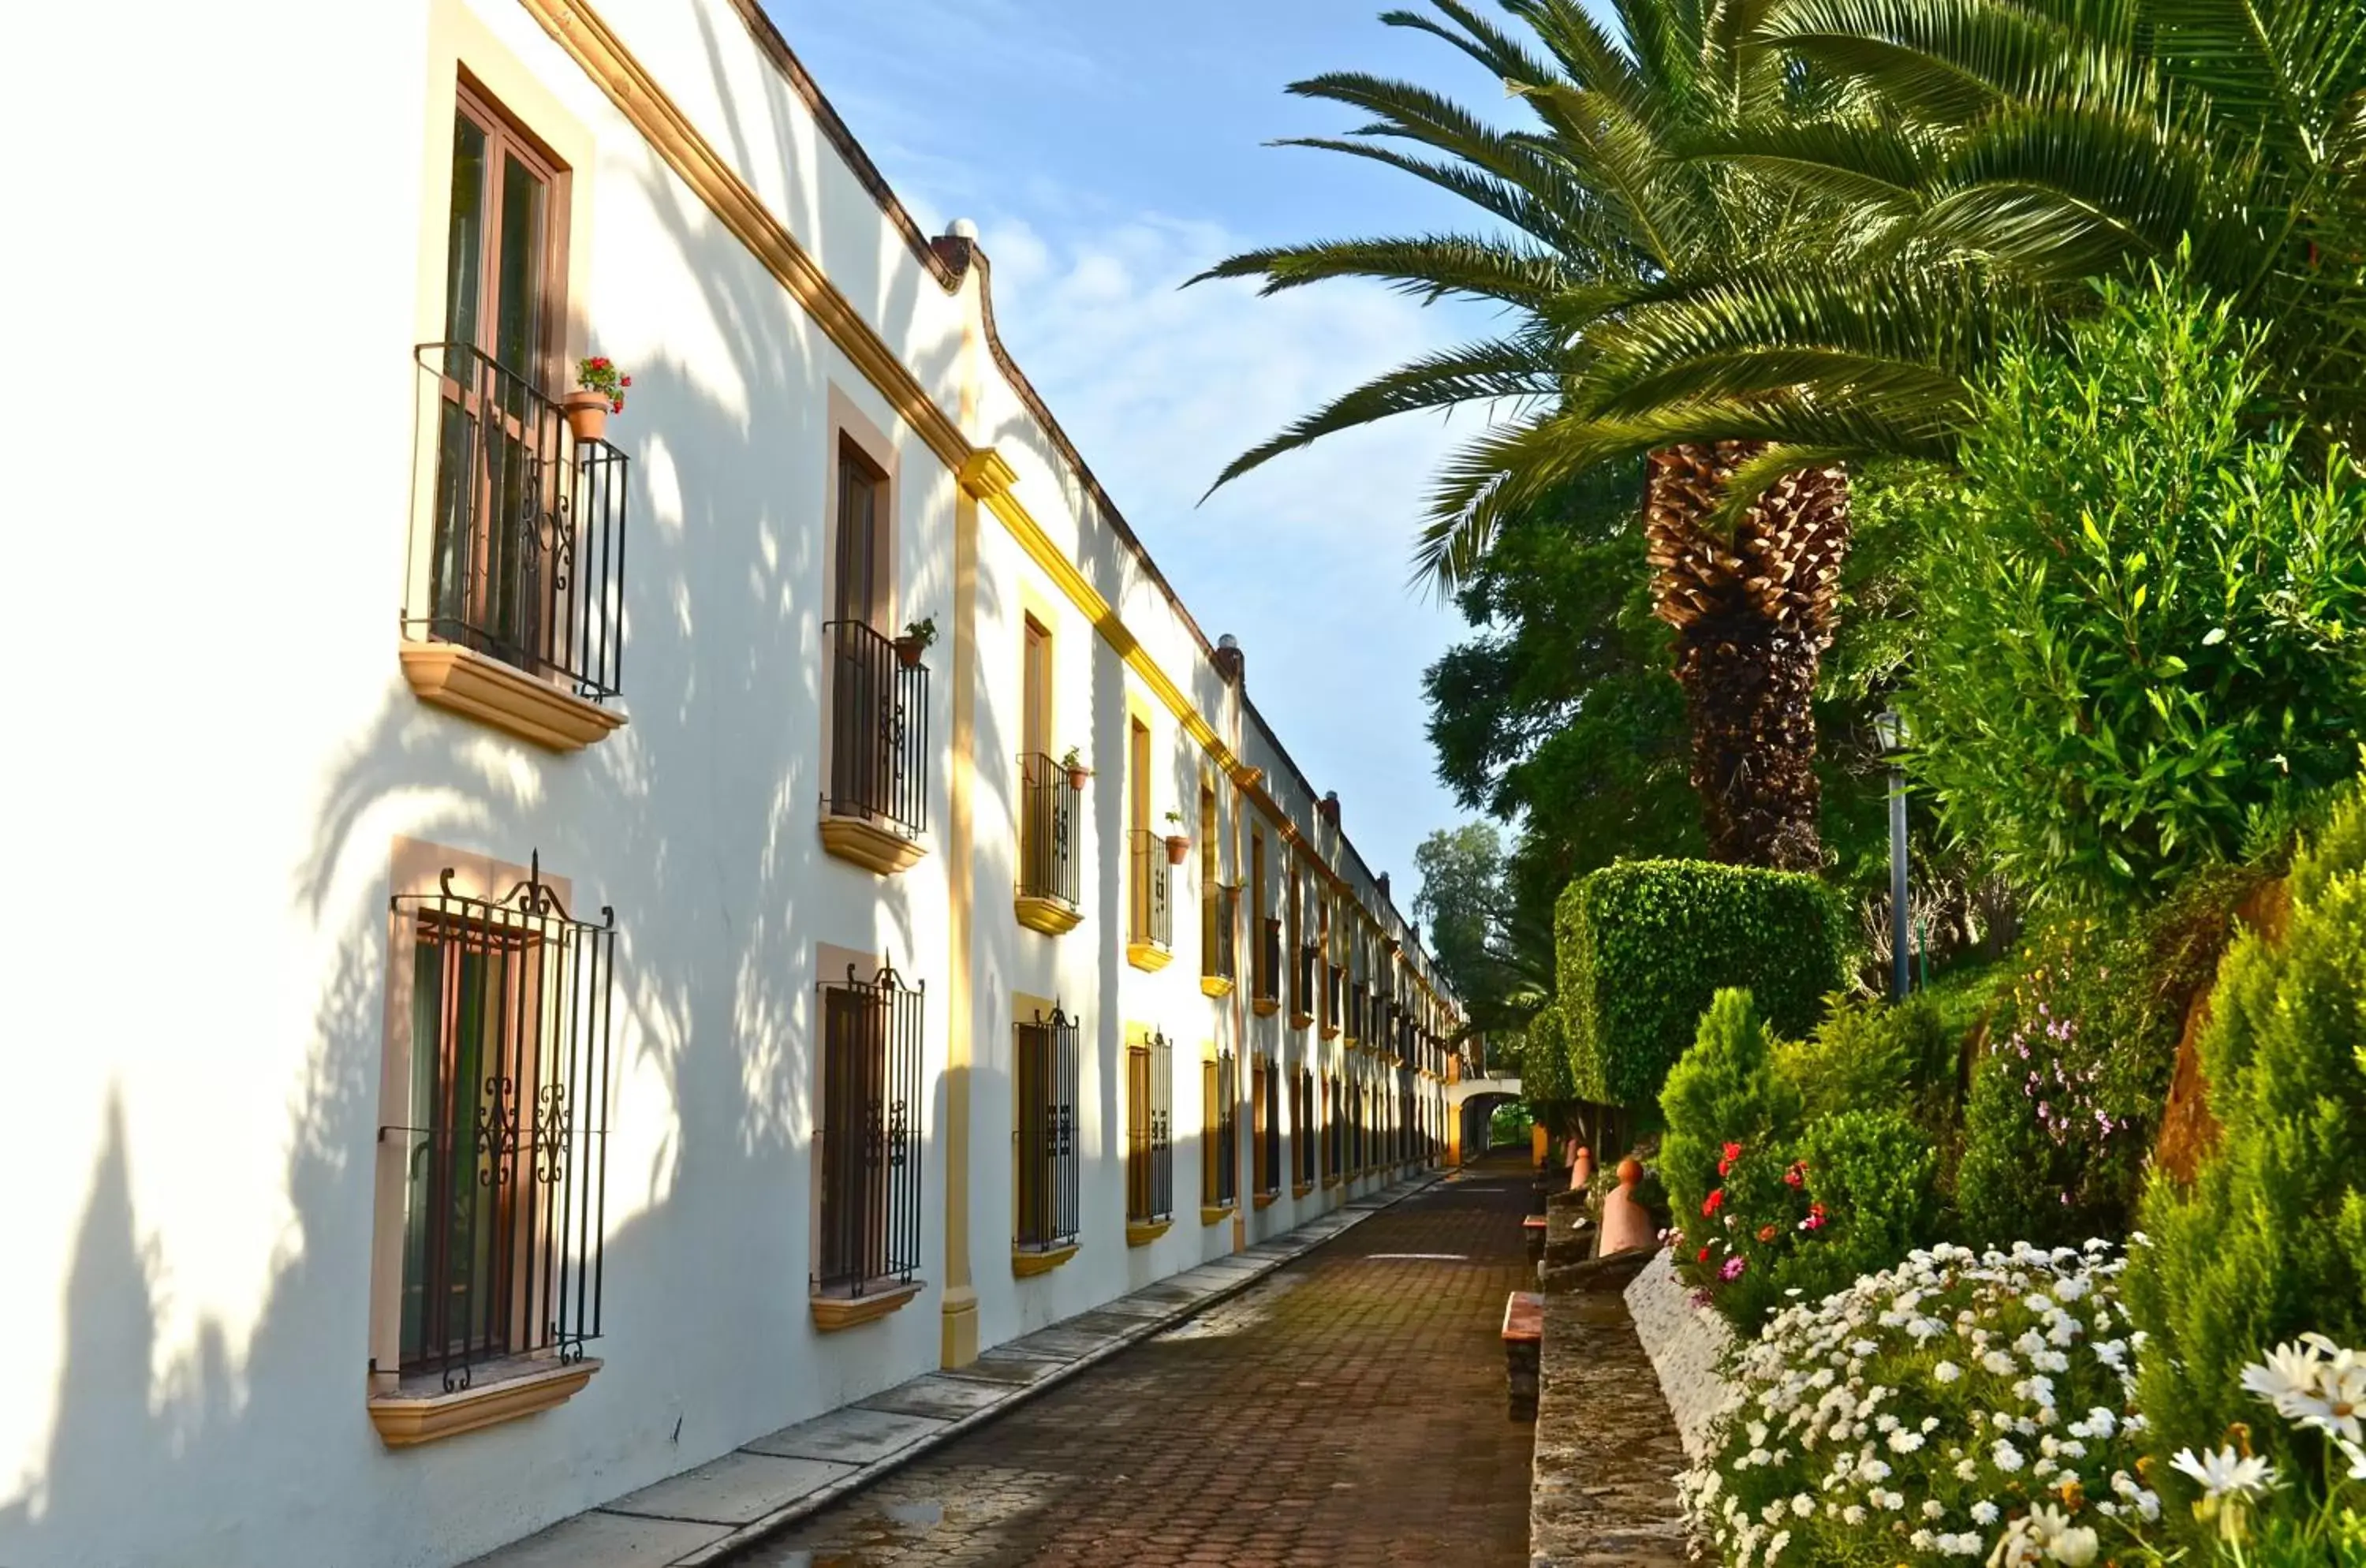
[1544,1058]
[1644,946]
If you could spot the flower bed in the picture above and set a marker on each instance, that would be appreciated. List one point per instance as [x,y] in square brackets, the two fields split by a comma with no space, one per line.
[1924,1411]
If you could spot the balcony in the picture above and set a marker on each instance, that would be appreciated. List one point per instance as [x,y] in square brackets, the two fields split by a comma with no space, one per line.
[876,807]
[1150,920]
[1265,995]
[1301,986]
[515,615]
[1048,870]
[1219,915]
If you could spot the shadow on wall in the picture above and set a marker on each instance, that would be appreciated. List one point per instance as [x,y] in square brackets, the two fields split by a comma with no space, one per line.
[696,823]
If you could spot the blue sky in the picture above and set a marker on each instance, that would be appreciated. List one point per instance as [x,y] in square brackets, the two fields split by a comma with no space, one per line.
[1107,151]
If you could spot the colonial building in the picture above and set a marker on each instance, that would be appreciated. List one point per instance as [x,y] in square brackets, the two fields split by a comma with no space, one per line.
[548,946]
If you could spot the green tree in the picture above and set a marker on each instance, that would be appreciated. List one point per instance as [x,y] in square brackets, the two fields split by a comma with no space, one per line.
[1590,209]
[1461,906]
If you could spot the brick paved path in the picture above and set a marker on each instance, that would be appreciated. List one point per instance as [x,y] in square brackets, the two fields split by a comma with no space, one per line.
[1347,1411]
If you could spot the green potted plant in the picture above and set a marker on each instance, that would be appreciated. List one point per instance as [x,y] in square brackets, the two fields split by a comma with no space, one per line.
[917,638]
[1077,773]
[1179,844]
[599,392]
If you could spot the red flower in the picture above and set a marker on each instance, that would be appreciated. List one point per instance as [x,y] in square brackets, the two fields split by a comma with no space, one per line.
[1703,1257]
[1732,1153]
[1766,1233]
[625,381]
[1716,1200]
[599,361]
[616,407]
[1797,1175]
[1815,1220]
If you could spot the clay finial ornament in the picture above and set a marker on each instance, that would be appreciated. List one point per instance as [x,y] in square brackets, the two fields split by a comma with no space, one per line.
[1625,1223]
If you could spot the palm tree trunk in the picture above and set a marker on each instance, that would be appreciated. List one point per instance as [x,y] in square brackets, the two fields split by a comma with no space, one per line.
[1754,613]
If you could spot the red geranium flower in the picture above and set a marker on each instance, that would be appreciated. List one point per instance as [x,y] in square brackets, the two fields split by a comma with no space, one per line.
[1797,1175]
[1766,1233]
[1703,1257]
[1716,1200]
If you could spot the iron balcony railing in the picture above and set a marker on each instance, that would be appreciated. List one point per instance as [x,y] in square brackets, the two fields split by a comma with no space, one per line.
[505,1147]
[1219,917]
[878,730]
[1150,1127]
[526,547]
[1302,981]
[1334,997]
[869,1134]
[1152,920]
[1268,964]
[1044,1150]
[1047,831]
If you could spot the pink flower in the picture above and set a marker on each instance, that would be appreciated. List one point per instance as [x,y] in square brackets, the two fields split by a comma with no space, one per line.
[1815,1220]
[1733,1268]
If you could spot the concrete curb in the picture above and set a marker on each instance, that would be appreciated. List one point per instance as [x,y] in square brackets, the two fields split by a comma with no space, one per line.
[1303,1239]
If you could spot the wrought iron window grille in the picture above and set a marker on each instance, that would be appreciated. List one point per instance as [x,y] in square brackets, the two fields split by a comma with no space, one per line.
[1227,1146]
[1268,966]
[878,730]
[1152,917]
[506,1127]
[1044,1141]
[1219,919]
[1270,1145]
[526,539]
[869,1133]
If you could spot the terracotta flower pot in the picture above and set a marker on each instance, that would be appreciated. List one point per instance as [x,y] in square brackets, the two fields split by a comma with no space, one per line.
[1077,777]
[908,650]
[1179,848]
[587,414]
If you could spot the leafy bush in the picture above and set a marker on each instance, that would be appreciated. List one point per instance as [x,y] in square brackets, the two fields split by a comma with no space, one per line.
[1544,1058]
[2269,1242]
[1645,944]
[1867,1053]
[1928,1410]
[2066,1105]
[1871,1180]
[2141,627]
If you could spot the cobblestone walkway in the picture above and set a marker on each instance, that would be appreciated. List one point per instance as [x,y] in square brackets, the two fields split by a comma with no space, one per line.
[1348,1410]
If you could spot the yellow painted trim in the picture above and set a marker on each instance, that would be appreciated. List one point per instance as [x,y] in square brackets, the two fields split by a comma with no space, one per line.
[831,1314]
[462,681]
[1216,986]
[1052,917]
[870,845]
[1148,956]
[1214,1214]
[1264,1201]
[1301,1020]
[1300,1188]
[1266,1006]
[1027,1264]
[1141,1233]
[403,1423]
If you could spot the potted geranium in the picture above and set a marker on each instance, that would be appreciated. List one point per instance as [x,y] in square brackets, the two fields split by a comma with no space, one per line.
[1077,773]
[1178,846]
[917,638]
[600,391]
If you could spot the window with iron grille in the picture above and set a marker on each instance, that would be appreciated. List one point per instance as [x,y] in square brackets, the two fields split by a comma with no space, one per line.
[504,1127]
[1048,815]
[525,559]
[1301,985]
[1303,1131]
[1269,1139]
[1219,1178]
[1151,920]
[1046,1135]
[878,695]
[1268,961]
[869,1134]
[1219,915]
[1335,1128]
[1260,1172]
[1150,1151]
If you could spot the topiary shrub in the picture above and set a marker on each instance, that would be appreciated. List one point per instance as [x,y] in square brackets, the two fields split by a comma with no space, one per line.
[1872,1186]
[1544,1059]
[1645,944]
[1904,1057]
[2269,1240]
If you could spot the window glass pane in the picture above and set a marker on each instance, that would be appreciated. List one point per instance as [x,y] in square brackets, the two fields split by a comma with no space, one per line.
[426,1050]
[858,544]
[520,328]
[465,254]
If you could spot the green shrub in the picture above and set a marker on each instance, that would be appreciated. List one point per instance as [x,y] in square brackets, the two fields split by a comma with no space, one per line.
[1902,1056]
[1730,1122]
[1644,946]
[1544,1059]
[2142,630]
[2269,1242]
[1872,1181]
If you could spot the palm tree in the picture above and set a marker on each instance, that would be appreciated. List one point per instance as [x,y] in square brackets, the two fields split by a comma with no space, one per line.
[1594,209]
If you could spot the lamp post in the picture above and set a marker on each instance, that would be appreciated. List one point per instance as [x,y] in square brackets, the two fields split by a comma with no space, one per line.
[1890,725]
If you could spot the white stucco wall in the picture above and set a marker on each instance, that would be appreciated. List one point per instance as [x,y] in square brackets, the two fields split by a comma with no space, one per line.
[212,397]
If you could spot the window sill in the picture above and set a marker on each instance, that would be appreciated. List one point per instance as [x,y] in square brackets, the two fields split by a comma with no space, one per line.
[1052,917]
[1214,1214]
[1216,984]
[504,1391]
[1141,1233]
[1266,1006]
[1329,1182]
[1301,1020]
[462,681]
[1026,1263]
[1264,1201]
[831,1314]
[869,845]
[1300,1188]
[1148,956]
[1330,1031]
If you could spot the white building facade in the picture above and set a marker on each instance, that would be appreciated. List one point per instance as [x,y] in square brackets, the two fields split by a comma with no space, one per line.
[619,942]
